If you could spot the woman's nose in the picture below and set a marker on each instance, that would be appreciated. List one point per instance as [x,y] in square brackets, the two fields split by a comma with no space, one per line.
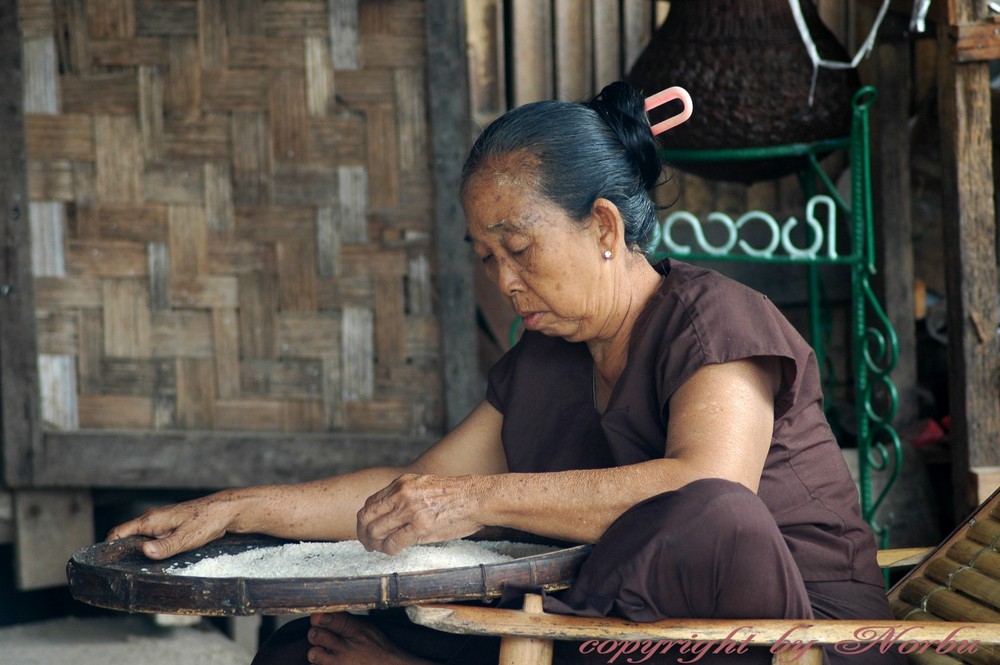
[508,280]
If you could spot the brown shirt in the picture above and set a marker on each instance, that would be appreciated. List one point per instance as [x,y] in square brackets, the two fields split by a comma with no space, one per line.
[544,388]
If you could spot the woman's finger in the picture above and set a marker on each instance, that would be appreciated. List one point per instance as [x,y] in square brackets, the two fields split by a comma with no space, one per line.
[415,510]
[174,529]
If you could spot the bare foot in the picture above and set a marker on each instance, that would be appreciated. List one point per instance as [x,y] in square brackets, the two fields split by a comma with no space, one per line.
[341,638]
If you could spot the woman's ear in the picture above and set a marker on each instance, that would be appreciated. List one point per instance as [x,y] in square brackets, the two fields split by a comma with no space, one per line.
[610,225]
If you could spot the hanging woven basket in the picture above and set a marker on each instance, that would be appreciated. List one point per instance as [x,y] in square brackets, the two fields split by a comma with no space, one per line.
[749,74]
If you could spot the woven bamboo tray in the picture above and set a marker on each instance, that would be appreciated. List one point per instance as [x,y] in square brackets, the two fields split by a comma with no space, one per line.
[118,576]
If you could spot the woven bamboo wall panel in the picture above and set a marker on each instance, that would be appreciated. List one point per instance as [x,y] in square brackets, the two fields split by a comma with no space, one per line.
[231,214]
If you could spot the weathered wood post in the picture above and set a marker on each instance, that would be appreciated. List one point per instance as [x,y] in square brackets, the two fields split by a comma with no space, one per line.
[967,39]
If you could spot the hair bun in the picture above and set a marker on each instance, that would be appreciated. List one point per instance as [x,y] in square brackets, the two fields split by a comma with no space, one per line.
[623,109]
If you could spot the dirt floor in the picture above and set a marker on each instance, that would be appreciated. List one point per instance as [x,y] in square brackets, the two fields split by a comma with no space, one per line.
[125,639]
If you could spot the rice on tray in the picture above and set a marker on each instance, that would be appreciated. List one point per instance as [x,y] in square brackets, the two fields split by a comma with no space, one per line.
[350,559]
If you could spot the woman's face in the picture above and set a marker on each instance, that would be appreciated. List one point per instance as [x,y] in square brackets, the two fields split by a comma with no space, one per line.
[549,267]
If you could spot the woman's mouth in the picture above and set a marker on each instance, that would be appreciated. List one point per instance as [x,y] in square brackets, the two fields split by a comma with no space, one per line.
[532,320]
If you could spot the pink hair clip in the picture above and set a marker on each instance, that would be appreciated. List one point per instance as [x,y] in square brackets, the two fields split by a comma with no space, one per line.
[664,96]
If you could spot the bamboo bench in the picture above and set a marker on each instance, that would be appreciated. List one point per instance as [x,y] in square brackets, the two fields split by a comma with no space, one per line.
[946,608]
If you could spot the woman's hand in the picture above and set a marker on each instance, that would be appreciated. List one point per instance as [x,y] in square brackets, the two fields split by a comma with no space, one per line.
[416,509]
[183,526]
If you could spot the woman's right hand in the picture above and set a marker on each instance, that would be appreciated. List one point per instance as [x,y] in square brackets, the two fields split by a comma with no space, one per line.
[183,526]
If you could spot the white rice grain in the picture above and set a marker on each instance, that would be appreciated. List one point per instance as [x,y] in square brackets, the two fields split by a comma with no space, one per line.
[350,559]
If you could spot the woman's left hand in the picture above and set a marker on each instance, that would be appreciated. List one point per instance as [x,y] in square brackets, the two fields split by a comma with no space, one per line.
[416,509]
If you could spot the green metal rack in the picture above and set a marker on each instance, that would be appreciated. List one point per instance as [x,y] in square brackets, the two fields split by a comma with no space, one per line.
[874,346]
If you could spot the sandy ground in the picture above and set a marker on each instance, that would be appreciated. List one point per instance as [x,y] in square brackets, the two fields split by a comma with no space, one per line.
[106,640]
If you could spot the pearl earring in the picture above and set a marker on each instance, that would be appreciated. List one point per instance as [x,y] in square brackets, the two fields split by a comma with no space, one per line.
[607,255]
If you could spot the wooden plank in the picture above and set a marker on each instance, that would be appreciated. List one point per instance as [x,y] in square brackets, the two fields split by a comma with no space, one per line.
[57,333]
[259,52]
[116,412]
[195,393]
[288,378]
[289,116]
[573,50]
[344,37]
[64,136]
[391,319]
[37,18]
[49,526]
[297,276]
[487,74]
[147,51]
[111,19]
[608,35]
[51,181]
[309,334]
[296,19]
[983,482]
[205,292]
[118,148]
[411,114]
[20,410]
[226,343]
[258,311]
[251,159]
[187,240]
[531,39]
[977,41]
[451,131]
[150,110]
[970,256]
[213,39]
[183,89]
[127,324]
[41,84]
[637,28]
[173,183]
[225,459]
[478,620]
[219,199]
[357,356]
[6,517]
[182,333]
[58,381]
[383,159]
[48,248]
[319,76]
[118,96]
[90,351]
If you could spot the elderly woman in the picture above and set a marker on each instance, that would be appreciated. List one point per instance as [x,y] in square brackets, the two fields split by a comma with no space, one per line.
[669,414]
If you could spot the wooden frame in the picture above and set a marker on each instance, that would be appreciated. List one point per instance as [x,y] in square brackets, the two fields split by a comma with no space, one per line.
[451,127]
[20,419]
[527,635]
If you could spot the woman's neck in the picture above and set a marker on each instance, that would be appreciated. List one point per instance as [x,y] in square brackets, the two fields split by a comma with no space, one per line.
[610,353]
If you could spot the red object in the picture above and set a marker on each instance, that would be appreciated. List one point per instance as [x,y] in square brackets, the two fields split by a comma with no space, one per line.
[929,434]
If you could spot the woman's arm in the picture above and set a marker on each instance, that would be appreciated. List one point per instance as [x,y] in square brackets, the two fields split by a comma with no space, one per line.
[320,510]
[721,424]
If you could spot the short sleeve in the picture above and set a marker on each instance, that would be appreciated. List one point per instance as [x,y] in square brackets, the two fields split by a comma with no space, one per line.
[711,319]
